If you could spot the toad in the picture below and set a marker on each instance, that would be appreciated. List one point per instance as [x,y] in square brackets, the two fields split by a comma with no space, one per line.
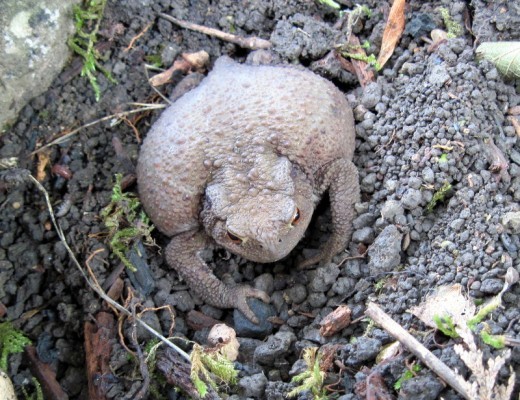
[240,162]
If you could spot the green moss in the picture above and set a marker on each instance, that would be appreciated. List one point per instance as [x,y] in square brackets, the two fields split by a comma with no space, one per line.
[312,378]
[126,224]
[206,366]
[446,325]
[84,41]
[11,341]
[408,374]
[454,29]
[154,59]
[438,196]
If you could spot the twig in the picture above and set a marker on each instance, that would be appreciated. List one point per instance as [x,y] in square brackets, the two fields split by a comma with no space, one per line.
[92,285]
[253,43]
[45,375]
[414,346]
[143,367]
[136,37]
[61,139]
[162,96]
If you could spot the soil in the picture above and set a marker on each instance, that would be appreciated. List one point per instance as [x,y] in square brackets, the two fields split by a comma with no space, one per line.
[433,116]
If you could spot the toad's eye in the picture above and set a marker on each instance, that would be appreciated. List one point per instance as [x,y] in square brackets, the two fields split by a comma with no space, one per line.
[296,217]
[234,238]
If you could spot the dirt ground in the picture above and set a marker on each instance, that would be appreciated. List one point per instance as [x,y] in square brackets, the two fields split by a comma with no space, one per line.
[434,115]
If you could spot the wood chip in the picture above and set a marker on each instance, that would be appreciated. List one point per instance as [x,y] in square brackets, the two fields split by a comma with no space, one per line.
[45,375]
[514,110]
[198,321]
[177,373]
[99,337]
[514,121]
[335,321]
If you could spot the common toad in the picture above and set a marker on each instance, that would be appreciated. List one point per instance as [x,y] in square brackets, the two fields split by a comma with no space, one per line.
[240,162]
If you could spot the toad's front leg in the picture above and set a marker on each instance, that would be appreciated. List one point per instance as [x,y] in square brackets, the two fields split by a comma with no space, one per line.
[183,254]
[340,179]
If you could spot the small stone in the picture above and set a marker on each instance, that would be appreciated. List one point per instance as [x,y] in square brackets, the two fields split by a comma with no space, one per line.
[297,293]
[411,199]
[182,301]
[317,299]
[422,387]
[364,235]
[343,286]
[390,209]
[491,286]
[511,220]
[439,75]
[277,345]
[371,95]
[323,278]
[385,253]
[365,349]
[244,327]
[265,282]
[253,386]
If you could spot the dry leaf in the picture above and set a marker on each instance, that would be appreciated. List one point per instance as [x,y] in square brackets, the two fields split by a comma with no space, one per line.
[393,31]
[389,351]
[482,385]
[505,56]
[445,301]
[225,338]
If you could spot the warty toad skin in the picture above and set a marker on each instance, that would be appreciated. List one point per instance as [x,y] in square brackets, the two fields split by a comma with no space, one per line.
[240,162]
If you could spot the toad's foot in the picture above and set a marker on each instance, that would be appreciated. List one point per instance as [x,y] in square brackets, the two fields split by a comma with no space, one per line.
[183,254]
[340,178]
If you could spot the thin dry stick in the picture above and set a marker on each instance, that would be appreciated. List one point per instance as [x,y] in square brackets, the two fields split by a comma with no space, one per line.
[413,345]
[253,43]
[136,37]
[92,285]
[61,139]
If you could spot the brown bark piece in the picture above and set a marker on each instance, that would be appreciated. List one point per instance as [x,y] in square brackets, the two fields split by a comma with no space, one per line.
[177,373]
[363,73]
[335,321]
[98,345]
[198,321]
[45,375]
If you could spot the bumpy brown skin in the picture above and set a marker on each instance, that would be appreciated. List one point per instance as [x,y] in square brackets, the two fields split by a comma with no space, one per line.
[242,153]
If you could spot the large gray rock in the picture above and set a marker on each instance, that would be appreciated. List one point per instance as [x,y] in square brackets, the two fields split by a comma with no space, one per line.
[33,50]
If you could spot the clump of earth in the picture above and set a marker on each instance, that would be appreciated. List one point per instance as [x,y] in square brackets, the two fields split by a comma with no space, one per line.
[434,120]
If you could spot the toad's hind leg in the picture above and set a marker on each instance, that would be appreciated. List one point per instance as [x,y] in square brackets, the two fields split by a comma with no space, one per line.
[183,254]
[340,178]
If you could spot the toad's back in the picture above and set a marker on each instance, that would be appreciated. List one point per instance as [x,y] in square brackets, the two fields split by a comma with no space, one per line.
[238,110]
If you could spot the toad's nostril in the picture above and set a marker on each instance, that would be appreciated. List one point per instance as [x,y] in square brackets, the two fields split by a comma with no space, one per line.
[279,240]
